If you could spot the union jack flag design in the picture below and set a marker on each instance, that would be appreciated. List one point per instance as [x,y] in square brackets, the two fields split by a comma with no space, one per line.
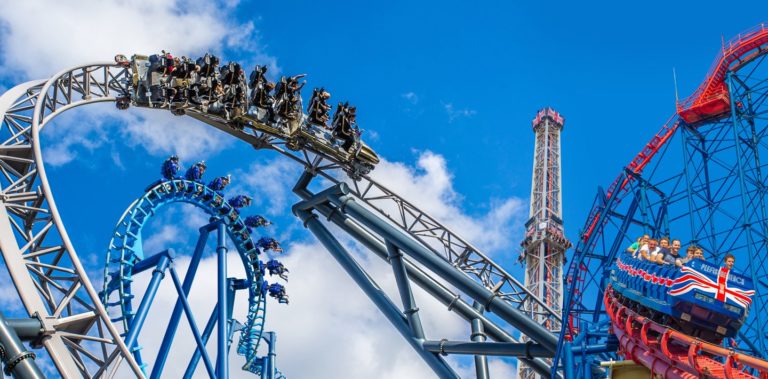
[647,276]
[692,279]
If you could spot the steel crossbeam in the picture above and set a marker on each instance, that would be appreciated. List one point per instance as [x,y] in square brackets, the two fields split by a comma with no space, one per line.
[705,185]
[52,283]
[386,241]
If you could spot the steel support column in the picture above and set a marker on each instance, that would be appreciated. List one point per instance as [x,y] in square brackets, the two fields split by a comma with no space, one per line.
[271,359]
[173,324]
[163,259]
[746,221]
[457,278]
[18,362]
[439,291]
[192,366]
[411,311]
[222,365]
[192,323]
[366,283]
[478,335]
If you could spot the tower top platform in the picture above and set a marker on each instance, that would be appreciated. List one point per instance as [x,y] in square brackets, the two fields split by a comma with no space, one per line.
[550,113]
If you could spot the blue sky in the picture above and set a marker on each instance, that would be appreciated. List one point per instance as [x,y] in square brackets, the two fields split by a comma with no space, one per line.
[443,89]
[606,67]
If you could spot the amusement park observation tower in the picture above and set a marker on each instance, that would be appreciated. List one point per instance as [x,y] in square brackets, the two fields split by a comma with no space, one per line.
[545,243]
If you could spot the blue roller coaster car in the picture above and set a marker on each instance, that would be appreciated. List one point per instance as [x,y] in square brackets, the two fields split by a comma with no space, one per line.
[700,298]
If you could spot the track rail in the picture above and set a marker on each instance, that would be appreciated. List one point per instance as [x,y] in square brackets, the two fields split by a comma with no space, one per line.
[46,269]
[673,354]
[711,99]
[125,250]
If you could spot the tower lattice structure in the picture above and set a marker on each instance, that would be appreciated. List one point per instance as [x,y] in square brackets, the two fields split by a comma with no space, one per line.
[545,244]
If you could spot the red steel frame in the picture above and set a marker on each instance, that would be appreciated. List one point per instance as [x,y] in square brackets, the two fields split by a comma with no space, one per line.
[673,354]
[711,99]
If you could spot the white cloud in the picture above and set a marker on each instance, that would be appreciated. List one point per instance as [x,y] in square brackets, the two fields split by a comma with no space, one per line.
[454,113]
[158,132]
[162,134]
[41,37]
[159,241]
[411,104]
[411,97]
[429,186]
[500,369]
[269,184]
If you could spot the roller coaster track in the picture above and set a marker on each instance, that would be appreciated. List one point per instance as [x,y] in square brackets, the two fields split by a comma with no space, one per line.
[710,103]
[125,251]
[711,99]
[672,354]
[46,269]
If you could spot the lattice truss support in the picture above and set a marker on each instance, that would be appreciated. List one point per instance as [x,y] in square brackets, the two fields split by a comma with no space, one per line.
[705,186]
[53,285]
[544,243]
[44,266]
[416,262]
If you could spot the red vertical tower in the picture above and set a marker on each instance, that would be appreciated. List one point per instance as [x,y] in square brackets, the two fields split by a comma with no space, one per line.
[545,243]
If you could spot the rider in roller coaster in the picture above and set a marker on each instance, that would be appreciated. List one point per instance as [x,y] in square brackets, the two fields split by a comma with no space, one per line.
[344,126]
[261,89]
[269,243]
[288,97]
[171,167]
[222,91]
[318,107]
[195,173]
[170,171]
[233,79]
[276,290]
[237,202]
[275,267]
[220,183]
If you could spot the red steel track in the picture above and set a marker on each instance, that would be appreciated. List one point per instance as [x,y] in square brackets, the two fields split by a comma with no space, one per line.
[711,99]
[672,354]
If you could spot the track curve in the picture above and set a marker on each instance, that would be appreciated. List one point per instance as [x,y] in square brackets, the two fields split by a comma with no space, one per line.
[671,353]
[711,99]
[28,215]
[715,146]
[125,250]
[43,264]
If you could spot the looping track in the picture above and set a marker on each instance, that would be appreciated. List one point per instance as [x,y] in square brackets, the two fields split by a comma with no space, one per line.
[125,250]
[46,269]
